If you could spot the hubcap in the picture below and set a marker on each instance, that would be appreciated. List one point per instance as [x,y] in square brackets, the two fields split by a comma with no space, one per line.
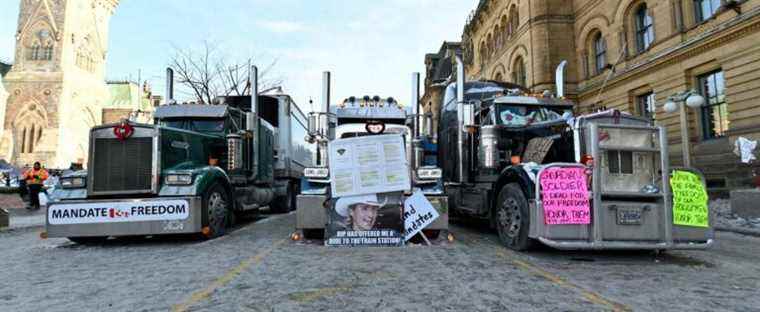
[509,217]
[216,211]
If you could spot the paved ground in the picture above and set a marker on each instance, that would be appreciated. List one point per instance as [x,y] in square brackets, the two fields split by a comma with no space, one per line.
[255,268]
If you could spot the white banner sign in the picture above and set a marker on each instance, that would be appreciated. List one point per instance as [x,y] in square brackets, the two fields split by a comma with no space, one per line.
[118,212]
[368,165]
[418,213]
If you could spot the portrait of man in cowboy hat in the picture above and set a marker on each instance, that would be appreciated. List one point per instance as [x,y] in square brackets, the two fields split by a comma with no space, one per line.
[365,220]
[360,211]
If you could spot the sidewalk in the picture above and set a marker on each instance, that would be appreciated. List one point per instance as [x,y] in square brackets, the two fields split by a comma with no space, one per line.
[725,220]
[19,216]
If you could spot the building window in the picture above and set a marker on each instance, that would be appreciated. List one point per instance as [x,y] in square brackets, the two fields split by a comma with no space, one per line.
[518,73]
[47,52]
[514,20]
[705,9]
[34,52]
[644,29]
[600,53]
[645,105]
[620,162]
[715,112]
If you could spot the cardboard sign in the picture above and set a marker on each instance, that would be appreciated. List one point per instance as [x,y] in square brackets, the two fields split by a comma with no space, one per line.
[564,196]
[418,213]
[689,199]
[118,212]
[365,220]
[368,165]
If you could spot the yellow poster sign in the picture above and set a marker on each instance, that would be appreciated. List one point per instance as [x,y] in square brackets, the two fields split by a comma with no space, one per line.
[689,199]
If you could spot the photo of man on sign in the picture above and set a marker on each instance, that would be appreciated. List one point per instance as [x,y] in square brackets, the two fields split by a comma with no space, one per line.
[365,220]
[360,211]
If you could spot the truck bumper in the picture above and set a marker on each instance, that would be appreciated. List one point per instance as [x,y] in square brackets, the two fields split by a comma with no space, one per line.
[311,213]
[191,224]
[622,245]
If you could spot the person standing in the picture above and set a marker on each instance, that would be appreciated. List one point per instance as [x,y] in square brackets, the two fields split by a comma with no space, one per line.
[34,178]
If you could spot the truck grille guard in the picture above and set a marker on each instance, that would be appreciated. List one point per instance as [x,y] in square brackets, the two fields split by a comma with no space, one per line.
[123,166]
[596,241]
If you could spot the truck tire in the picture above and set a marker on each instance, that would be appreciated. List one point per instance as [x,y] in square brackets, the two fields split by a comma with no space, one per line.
[216,206]
[512,218]
[287,203]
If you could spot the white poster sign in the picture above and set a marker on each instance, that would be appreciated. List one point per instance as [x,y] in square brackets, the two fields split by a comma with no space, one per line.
[418,213]
[118,212]
[368,165]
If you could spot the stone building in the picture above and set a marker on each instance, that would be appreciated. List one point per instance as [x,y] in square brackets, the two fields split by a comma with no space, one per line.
[439,69]
[632,55]
[56,85]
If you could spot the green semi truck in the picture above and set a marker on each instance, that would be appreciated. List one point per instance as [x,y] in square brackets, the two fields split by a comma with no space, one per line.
[192,171]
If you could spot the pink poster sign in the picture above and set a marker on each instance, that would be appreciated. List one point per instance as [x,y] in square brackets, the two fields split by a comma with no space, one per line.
[565,196]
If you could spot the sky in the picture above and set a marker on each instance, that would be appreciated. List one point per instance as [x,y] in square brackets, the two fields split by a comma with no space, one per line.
[370,46]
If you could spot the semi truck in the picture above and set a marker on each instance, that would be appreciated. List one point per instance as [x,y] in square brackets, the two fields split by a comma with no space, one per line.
[360,116]
[496,141]
[192,171]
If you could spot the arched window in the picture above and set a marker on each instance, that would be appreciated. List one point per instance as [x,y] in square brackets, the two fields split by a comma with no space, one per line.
[600,53]
[644,28]
[483,52]
[34,52]
[514,20]
[518,72]
[498,77]
[31,140]
[23,140]
[504,30]
[47,52]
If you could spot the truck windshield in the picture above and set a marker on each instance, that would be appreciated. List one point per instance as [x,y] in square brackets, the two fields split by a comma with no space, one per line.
[200,125]
[522,115]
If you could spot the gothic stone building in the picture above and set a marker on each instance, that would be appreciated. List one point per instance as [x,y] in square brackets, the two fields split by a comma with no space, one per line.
[56,85]
[632,55]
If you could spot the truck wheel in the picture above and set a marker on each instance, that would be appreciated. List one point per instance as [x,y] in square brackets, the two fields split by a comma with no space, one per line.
[287,203]
[512,218]
[216,205]
[88,240]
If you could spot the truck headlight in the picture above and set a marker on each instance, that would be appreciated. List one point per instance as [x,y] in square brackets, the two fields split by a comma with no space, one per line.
[74,182]
[179,179]
[316,173]
[429,173]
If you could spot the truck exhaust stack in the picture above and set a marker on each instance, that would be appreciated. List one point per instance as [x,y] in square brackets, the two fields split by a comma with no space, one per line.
[252,120]
[460,119]
[169,85]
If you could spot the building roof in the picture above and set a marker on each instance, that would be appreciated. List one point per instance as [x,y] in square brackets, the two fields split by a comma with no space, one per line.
[124,94]
[4,68]
[191,110]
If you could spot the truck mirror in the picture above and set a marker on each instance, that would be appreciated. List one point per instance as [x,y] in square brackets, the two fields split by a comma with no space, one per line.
[468,114]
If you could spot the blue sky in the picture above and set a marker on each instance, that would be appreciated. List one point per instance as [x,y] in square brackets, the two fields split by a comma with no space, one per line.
[370,46]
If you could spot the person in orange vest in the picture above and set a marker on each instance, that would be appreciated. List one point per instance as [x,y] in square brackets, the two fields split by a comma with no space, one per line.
[34,178]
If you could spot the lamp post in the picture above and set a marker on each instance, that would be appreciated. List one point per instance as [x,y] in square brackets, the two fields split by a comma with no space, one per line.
[692,99]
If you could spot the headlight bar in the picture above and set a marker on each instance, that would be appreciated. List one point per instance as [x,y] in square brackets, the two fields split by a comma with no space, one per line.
[73,182]
[430,173]
[316,173]
[179,179]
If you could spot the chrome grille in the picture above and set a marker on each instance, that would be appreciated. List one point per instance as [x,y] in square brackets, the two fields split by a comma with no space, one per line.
[122,166]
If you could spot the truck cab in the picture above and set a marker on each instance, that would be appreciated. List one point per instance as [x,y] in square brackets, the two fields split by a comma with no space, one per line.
[356,117]
[498,144]
[192,171]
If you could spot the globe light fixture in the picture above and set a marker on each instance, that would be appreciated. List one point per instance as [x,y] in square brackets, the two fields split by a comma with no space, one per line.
[670,106]
[695,100]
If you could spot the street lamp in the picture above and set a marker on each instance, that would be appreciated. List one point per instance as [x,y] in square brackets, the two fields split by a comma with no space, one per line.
[692,100]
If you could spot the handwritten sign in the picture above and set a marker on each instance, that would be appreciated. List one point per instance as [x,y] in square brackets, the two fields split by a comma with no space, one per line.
[689,199]
[565,196]
[418,213]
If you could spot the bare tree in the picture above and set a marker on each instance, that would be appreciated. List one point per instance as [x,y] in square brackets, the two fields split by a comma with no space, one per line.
[208,72]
